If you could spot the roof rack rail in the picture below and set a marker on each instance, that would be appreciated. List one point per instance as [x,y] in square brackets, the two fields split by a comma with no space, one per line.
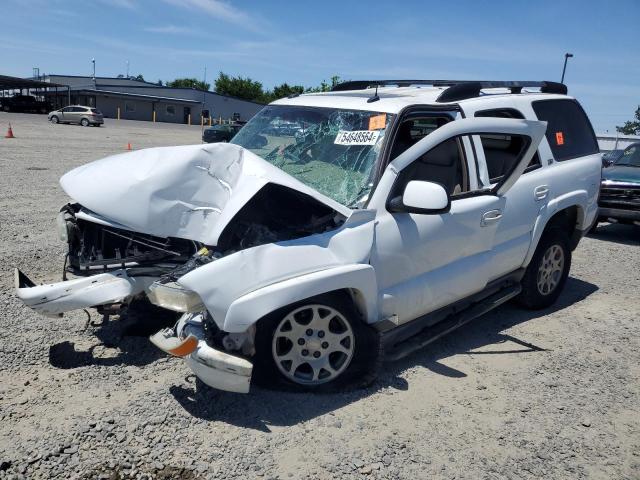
[458,89]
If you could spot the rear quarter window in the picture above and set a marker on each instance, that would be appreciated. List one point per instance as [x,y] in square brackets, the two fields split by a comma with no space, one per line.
[569,131]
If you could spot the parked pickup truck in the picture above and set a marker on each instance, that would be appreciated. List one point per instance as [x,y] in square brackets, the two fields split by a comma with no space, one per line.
[399,211]
[620,189]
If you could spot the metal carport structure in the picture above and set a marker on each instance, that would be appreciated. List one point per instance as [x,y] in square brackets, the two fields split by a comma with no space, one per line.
[8,83]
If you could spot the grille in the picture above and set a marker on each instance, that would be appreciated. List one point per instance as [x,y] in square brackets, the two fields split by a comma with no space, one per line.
[620,196]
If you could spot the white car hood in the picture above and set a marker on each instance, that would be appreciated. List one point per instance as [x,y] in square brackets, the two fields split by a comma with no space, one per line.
[189,192]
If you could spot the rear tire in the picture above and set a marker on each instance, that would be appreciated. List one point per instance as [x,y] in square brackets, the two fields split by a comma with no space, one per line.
[320,344]
[547,273]
[84,122]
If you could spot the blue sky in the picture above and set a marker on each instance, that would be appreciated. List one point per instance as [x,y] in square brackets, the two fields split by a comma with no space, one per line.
[305,42]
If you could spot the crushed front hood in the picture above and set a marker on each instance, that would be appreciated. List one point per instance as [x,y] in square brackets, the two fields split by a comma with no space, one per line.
[189,192]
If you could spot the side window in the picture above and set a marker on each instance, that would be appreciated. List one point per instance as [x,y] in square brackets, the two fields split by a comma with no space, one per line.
[501,151]
[444,164]
[413,130]
[569,131]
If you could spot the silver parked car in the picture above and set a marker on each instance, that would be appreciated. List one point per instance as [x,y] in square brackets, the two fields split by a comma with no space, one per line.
[85,116]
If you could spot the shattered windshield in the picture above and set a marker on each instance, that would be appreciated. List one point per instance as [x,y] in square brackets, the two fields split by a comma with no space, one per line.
[331,150]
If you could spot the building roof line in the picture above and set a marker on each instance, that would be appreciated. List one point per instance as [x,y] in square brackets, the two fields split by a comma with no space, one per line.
[148,84]
[135,95]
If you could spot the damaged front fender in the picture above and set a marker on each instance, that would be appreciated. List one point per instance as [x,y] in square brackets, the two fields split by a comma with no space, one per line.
[344,252]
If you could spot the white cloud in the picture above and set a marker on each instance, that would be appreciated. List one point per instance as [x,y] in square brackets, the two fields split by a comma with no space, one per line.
[130,4]
[216,9]
[170,29]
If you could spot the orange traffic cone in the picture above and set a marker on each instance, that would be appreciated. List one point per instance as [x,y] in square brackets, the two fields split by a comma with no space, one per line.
[9,133]
[129,146]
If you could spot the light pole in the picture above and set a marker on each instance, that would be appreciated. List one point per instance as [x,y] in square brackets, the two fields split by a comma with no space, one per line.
[567,56]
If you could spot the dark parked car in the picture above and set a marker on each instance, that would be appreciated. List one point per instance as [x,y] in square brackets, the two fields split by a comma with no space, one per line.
[220,133]
[620,189]
[24,104]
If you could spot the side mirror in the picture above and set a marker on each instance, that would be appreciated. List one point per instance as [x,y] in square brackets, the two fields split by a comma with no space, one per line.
[421,197]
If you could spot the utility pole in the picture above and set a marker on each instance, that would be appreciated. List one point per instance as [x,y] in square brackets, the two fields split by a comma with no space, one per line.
[127,68]
[567,56]
[204,93]
[93,62]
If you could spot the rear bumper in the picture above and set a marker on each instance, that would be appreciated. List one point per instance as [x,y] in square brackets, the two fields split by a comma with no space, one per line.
[214,367]
[619,214]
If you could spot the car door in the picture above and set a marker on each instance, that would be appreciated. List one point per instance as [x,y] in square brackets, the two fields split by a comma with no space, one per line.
[77,113]
[425,261]
[67,115]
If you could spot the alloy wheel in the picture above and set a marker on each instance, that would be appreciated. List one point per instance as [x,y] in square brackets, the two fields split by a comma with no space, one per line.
[551,268]
[313,344]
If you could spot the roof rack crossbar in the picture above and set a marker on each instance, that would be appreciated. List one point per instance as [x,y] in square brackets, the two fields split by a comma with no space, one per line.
[458,89]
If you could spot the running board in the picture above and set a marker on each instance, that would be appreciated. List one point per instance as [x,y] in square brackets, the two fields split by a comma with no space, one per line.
[397,345]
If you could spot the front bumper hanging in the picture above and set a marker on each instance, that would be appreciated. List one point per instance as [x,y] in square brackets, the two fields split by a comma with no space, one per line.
[215,368]
[56,298]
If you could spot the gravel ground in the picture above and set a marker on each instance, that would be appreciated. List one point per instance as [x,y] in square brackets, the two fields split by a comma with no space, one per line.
[515,394]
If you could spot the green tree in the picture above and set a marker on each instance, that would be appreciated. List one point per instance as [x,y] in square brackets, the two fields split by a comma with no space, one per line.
[188,83]
[325,86]
[631,127]
[138,77]
[240,87]
[282,91]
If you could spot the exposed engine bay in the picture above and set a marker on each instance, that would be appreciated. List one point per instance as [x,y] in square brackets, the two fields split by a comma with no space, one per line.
[276,213]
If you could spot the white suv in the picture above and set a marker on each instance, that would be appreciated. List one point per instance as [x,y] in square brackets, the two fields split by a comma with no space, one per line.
[396,212]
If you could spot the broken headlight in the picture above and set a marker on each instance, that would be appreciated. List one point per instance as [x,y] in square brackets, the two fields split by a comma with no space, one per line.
[174,297]
[61,226]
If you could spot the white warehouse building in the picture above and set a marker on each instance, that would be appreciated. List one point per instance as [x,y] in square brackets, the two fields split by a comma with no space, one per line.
[138,100]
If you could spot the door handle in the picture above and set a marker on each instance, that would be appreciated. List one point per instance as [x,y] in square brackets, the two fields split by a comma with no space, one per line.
[490,217]
[541,192]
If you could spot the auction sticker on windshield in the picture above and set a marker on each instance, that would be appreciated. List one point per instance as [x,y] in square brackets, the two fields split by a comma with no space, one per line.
[357,137]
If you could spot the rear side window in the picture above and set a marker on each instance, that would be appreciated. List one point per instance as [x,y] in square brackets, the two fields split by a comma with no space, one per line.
[569,131]
[502,151]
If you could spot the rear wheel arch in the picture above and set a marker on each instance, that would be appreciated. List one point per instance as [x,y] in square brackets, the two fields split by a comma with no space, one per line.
[569,220]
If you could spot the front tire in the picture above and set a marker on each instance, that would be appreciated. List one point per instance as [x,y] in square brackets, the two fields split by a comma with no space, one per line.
[54,119]
[320,344]
[547,273]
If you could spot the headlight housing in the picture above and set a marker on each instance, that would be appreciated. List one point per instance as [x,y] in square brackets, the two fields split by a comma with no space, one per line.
[61,226]
[174,297]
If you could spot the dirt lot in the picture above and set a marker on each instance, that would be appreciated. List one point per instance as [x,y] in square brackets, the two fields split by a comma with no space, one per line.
[517,394]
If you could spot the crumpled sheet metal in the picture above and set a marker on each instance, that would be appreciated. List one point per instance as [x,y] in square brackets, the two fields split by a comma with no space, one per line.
[189,192]
[223,281]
